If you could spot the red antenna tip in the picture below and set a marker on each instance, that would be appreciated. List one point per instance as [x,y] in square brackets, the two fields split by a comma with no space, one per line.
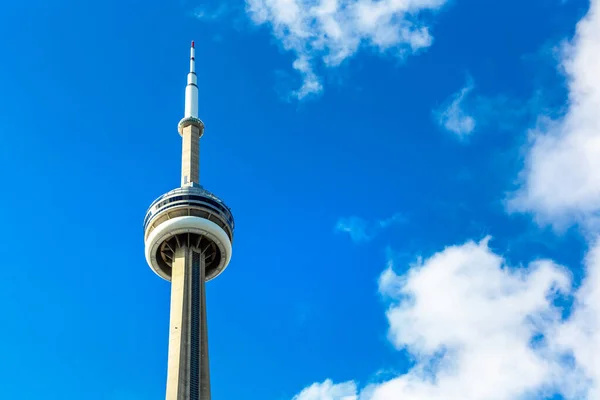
[192,44]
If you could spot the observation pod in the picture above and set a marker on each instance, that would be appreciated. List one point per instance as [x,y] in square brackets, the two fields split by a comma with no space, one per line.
[190,216]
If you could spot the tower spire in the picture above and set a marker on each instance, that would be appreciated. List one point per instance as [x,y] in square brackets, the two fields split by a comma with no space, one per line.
[191,90]
[191,128]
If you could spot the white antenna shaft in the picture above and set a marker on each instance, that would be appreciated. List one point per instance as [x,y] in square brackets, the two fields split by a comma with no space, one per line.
[191,90]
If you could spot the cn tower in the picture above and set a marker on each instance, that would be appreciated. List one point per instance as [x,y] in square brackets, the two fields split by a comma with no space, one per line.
[188,234]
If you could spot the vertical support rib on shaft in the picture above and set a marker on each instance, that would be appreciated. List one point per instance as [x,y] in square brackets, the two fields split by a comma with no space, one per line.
[188,376]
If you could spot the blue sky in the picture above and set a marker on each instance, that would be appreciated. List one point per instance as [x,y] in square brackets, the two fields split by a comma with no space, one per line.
[369,151]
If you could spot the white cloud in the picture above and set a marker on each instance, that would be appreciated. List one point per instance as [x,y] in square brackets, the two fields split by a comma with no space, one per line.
[361,231]
[479,329]
[468,319]
[560,183]
[329,391]
[454,117]
[330,31]
[394,219]
[355,227]
[465,111]
[212,10]
[580,336]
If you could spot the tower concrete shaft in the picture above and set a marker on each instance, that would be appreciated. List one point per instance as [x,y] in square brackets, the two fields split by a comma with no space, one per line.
[190,155]
[188,376]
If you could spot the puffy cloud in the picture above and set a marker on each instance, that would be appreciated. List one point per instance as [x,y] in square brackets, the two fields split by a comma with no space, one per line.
[560,183]
[333,30]
[469,321]
[361,231]
[580,335]
[329,391]
[479,329]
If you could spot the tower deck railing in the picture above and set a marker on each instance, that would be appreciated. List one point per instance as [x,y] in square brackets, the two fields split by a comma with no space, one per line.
[182,195]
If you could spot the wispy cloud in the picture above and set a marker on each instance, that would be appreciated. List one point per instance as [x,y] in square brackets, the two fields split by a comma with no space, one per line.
[327,32]
[465,112]
[560,182]
[362,231]
[211,12]
[453,116]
